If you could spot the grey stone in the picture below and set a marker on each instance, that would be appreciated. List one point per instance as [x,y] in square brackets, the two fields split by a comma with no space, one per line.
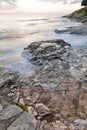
[9,112]
[58,125]
[41,108]
[81,123]
[24,122]
[1,107]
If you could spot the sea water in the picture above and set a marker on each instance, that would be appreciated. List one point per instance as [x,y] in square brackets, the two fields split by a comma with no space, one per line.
[18,30]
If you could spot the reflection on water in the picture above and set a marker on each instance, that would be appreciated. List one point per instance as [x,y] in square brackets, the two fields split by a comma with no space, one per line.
[19,30]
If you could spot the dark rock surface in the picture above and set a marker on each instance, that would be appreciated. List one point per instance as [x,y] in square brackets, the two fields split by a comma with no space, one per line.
[78,30]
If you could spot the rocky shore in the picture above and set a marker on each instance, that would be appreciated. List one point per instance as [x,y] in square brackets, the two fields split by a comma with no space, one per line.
[55,98]
[79,30]
[79,15]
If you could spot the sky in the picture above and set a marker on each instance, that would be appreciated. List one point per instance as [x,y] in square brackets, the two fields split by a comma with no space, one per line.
[39,5]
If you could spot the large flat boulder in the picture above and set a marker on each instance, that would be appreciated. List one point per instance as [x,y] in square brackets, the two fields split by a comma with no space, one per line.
[24,122]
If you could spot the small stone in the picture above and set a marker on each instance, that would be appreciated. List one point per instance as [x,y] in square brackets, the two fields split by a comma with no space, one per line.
[35,113]
[21,101]
[30,109]
[28,98]
[34,97]
[10,94]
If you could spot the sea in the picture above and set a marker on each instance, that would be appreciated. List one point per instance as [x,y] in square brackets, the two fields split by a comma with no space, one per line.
[18,30]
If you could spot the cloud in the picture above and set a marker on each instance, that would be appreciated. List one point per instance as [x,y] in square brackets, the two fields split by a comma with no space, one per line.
[11,4]
[63,1]
[7,4]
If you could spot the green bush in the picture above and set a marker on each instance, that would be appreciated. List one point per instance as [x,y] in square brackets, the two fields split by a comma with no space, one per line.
[84,3]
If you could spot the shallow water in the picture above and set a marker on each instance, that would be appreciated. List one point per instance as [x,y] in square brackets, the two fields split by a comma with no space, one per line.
[17,31]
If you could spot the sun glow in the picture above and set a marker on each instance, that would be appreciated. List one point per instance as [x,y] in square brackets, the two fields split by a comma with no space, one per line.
[43,6]
[33,5]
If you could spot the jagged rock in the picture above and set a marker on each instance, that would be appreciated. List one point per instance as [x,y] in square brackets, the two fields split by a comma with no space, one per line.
[45,98]
[34,97]
[47,50]
[58,125]
[79,30]
[41,108]
[8,79]
[24,122]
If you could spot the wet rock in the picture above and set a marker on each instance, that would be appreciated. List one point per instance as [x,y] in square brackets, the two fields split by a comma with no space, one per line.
[60,31]
[47,50]
[79,30]
[48,85]
[8,79]
[24,122]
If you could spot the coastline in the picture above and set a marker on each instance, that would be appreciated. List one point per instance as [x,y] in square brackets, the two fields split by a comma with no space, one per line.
[55,95]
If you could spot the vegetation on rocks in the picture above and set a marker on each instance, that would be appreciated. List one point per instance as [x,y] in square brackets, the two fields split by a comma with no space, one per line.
[79,15]
[84,3]
[25,108]
[82,11]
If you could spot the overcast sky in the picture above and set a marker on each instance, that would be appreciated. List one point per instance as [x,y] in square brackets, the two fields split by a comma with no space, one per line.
[37,4]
